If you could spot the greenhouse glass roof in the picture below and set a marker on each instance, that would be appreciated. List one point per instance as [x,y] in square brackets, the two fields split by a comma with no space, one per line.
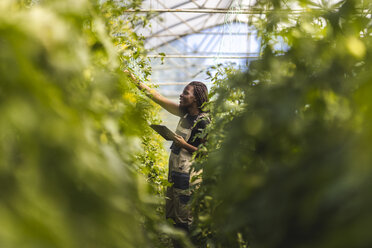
[178,18]
[186,37]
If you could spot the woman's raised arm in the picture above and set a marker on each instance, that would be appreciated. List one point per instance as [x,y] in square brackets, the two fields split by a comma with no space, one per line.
[164,102]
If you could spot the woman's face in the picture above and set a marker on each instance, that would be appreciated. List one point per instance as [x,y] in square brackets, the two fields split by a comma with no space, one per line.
[187,97]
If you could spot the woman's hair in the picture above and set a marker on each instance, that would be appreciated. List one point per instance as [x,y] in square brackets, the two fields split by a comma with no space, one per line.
[200,93]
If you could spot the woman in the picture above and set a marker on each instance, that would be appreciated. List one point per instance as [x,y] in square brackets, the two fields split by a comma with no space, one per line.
[193,121]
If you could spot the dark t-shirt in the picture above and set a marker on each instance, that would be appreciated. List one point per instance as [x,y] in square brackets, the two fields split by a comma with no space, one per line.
[188,122]
[199,127]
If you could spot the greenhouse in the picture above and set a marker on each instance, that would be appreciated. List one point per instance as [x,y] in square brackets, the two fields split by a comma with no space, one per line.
[185,123]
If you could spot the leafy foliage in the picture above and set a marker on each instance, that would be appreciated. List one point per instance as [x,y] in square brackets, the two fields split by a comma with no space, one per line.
[72,129]
[294,167]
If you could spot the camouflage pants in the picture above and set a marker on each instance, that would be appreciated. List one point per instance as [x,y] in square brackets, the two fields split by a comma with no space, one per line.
[178,195]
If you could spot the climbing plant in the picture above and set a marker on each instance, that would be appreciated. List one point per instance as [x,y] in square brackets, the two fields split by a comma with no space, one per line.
[73,128]
[293,167]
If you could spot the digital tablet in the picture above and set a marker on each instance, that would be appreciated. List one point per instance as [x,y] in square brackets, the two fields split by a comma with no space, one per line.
[165,132]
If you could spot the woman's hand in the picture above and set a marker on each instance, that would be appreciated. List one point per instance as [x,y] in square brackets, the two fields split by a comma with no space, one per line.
[180,141]
[167,104]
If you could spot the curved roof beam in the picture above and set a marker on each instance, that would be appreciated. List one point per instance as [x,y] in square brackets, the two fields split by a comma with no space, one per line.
[185,21]
[219,2]
[201,10]
[184,3]
[177,24]
[173,7]
[161,24]
[186,34]
[177,16]
[208,10]
[197,5]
